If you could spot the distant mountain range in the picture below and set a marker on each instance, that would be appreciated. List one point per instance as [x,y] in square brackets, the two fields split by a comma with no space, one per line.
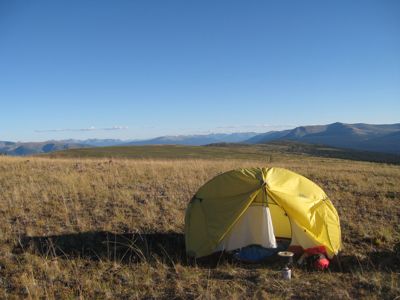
[29,148]
[20,149]
[360,136]
[367,137]
[97,142]
[197,140]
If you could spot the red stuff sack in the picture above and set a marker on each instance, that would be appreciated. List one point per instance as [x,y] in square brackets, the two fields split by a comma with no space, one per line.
[321,263]
[316,250]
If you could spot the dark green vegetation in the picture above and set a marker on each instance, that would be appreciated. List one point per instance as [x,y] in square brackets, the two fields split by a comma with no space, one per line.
[268,152]
[222,151]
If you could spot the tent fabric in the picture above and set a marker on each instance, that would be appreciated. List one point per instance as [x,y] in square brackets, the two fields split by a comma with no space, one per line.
[299,209]
[253,228]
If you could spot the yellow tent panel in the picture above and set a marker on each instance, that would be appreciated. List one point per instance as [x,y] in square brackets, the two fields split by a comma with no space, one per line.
[299,209]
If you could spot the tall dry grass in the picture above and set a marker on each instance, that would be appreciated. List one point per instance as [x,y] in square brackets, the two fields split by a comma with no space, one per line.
[109,229]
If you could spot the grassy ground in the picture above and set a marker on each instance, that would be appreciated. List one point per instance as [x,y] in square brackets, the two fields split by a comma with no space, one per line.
[112,228]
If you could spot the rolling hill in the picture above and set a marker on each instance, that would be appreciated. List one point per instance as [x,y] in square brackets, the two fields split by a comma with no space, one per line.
[360,136]
[268,151]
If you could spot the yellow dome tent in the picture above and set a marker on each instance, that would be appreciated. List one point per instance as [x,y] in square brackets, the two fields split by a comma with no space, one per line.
[298,208]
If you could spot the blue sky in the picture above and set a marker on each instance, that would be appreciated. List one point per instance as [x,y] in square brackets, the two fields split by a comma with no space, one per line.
[139,69]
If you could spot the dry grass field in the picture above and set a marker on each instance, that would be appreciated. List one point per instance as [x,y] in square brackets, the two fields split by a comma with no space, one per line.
[80,228]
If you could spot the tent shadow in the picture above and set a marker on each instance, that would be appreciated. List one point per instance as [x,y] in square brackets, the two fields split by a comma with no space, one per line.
[169,248]
[127,248]
[103,245]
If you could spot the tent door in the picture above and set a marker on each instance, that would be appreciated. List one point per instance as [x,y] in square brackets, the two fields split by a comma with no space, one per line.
[253,228]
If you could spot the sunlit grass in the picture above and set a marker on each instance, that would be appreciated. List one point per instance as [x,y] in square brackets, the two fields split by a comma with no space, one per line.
[41,197]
